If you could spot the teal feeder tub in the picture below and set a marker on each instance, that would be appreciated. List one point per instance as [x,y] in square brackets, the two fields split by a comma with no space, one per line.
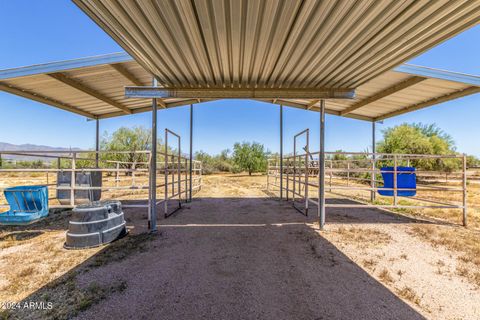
[27,205]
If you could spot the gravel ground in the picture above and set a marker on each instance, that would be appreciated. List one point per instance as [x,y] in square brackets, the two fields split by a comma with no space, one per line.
[243,258]
[235,253]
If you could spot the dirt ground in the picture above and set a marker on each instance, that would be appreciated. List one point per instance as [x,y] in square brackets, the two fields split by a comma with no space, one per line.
[236,253]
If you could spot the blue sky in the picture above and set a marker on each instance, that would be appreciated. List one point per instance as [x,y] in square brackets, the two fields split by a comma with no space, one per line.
[43,31]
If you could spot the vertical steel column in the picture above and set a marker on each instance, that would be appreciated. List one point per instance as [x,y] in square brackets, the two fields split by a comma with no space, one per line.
[152,216]
[179,173]
[165,204]
[294,171]
[321,169]
[372,180]
[307,153]
[191,152]
[97,141]
[281,153]
[464,166]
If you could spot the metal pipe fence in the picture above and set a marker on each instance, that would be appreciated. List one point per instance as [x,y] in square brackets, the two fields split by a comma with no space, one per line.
[124,175]
[356,175]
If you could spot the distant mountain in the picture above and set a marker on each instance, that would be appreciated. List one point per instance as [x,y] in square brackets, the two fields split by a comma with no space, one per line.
[29,147]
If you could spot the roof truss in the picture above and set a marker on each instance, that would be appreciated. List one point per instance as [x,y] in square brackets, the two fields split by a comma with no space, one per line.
[62,77]
[237,93]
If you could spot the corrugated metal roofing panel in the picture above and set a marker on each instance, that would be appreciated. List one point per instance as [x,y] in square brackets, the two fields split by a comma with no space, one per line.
[277,43]
[109,82]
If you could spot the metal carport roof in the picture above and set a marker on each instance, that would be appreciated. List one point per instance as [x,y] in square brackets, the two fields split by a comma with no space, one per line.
[279,44]
[94,87]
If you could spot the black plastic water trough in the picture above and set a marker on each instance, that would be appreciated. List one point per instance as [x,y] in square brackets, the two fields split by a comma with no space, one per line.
[95,224]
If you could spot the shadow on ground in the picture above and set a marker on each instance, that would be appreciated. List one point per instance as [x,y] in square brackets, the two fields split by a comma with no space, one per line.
[225,258]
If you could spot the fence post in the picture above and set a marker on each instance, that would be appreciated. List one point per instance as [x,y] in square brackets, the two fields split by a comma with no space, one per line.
[134,167]
[331,173]
[394,179]
[348,173]
[117,175]
[268,174]
[464,160]
[186,180]
[288,178]
[73,180]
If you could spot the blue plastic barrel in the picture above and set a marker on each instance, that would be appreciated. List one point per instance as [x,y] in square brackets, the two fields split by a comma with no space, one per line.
[406,179]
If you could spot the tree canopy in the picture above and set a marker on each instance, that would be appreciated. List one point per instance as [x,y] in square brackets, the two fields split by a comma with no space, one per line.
[127,139]
[250,157]
[419,138]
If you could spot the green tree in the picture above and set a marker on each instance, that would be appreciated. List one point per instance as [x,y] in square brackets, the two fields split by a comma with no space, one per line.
[418,138]
[127,141]
[217,163]
[250,157]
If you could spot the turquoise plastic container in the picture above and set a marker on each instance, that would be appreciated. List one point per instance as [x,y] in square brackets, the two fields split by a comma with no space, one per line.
[27,205]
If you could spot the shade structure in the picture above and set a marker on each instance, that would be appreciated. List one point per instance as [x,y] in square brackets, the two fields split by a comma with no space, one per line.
[95,87]
[277,43]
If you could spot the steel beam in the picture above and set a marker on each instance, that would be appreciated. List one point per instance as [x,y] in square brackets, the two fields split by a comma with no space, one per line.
[303,106]
[87,90]
[321,171]
[152,217]
[120,68]
[312,104]
[46,100]
[384,93]
[238,93]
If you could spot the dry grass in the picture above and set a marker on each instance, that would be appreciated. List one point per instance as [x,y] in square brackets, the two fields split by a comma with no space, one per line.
[68,297]
[364,236]
[409,294]
[369,263]
[385,276]
[463,241]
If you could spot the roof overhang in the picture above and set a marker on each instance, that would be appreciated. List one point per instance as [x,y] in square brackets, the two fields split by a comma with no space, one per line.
[95,87]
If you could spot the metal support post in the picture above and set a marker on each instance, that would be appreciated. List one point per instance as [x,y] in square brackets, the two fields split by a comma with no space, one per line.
[179,174]
[307,154]
[281,153]
[166,171]
[321,171]
[191,152]
[152,217]
[372,180]
[464,167]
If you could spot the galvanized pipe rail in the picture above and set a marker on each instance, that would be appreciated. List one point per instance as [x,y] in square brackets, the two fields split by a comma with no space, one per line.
[136,173]
[344,177]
